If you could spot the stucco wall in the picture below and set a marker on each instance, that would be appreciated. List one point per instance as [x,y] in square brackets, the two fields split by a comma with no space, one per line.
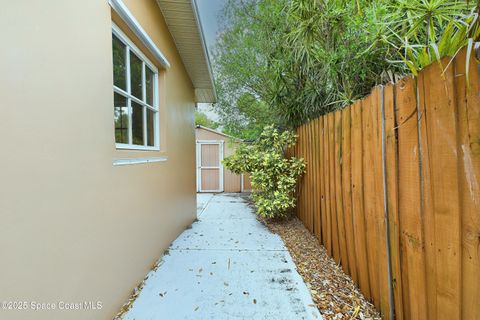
[73,227]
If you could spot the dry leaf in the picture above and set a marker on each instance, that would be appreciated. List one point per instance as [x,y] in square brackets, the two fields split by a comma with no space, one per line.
[333,292]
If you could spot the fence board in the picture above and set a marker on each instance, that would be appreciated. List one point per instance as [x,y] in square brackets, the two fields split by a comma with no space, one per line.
[381,248]
[468,103]
[302,186]
[323,181]
[426,202]
[308,176]
[305,191]
[369,197]
[315,212]
[328,202]
[357,199]
[441,124]
[413,253]
[338,191]
[312,178]
[333,207]
[392,197]
[318,178]
[347,193]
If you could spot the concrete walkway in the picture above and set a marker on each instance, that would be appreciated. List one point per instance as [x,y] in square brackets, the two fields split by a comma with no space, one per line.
[227,266]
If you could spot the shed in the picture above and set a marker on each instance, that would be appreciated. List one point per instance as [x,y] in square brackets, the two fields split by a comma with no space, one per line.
[212,147]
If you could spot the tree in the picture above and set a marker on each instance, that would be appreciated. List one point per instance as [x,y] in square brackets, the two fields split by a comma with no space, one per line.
[298,59]
[294,60]
[201,119]
[243,78]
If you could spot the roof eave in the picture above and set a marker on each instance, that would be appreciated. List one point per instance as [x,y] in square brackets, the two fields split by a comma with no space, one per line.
[205,51]
[185,26]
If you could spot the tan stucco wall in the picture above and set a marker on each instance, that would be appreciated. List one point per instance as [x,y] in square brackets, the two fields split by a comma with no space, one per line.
[231,181]
[73,227]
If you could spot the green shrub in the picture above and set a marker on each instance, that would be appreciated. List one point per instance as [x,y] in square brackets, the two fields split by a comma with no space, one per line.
[273,176]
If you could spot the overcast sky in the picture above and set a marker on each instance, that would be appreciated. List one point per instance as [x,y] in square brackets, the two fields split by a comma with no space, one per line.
[209,11]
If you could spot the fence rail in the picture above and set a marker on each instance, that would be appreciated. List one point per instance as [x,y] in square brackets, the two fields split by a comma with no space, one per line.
[392,190]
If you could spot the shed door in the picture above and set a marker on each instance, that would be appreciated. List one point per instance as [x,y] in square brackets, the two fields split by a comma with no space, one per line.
[209,166]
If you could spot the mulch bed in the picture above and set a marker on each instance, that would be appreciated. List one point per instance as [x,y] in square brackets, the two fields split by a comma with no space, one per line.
[334,292]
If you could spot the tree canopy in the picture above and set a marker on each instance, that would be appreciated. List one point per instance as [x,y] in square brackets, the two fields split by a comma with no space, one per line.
[284,62]
[201,119]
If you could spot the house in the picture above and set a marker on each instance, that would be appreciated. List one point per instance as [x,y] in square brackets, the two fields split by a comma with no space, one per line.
[97,172]
[212,147]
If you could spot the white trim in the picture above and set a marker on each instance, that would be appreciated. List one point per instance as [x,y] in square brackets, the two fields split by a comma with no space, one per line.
[123,146]
[198,165]
[135,26]
[124,162]
[220,168]
[156,104]
[210,141]
[222,187]
[135,99]
[144,110]
[129,101]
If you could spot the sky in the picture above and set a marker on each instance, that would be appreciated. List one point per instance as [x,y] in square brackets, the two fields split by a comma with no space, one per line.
[209,11]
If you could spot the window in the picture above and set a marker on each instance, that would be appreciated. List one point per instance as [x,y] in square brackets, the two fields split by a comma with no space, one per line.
[135,96]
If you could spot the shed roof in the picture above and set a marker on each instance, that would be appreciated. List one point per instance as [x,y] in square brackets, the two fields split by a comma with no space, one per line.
[217,132]
[184,24]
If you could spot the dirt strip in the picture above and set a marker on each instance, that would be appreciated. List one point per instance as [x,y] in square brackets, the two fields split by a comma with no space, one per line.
[334,292]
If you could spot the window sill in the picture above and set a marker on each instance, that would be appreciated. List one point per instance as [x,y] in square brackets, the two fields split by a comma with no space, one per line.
[132,161]
[133,147]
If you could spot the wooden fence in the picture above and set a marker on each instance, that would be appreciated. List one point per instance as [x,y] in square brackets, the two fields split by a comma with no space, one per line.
[402,162]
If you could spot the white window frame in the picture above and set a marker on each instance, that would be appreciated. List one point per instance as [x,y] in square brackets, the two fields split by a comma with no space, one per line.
[130,47]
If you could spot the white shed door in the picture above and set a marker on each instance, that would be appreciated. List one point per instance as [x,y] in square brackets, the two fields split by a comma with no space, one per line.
[209,166]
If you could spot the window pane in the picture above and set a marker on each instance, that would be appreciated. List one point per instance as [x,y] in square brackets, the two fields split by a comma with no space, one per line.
[151,127]
[149,81]
[137,123]
[121,118]
[136,76]
[119,64]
